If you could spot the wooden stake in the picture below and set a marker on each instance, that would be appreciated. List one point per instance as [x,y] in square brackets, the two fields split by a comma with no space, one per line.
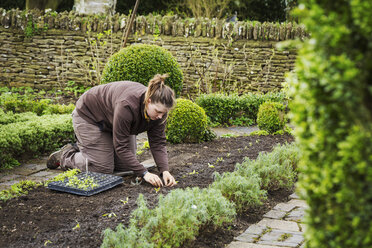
[130,23]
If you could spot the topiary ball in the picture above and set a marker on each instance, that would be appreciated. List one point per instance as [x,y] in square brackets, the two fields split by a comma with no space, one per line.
[187,123]
[140,63]
[271,116]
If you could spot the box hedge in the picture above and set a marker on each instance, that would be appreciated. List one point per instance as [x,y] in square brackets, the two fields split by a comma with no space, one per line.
[140,63]
[223,109]
[37,136]
[271,117]
[187,123]
[333,117]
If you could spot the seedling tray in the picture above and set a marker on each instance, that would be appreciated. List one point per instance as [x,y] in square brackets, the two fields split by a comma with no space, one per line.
[104,182]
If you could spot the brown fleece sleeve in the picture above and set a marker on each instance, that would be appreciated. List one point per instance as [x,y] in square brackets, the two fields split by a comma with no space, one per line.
[157,142]
[122,121]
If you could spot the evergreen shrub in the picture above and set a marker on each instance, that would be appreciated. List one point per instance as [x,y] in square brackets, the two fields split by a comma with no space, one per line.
[233,109]
[187,122]
[177,218]
[27,102]
[37,136]
[271,117]
[332,114]
[10,117]
[140,63]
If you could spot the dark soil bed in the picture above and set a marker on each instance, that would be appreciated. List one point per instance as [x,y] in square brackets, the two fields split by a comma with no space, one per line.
[53,219]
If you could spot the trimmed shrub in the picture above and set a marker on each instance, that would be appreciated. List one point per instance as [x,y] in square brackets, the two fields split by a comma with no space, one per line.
[271,117]
[187,122]
[37,136]
[233,109]
[18,103]
[177,218]
[333,117]
[10,117]
[140,63]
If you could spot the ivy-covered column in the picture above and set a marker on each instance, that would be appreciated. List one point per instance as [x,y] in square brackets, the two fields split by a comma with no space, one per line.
[333,117]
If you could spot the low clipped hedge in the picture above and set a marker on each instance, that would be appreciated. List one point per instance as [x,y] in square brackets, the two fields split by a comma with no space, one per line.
[18,103]
[187,123]
[271,117]
[233,109]
[140,63]
[10,117]
[37,136]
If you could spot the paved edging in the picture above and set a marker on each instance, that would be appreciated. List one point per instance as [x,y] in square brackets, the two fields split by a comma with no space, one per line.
[281,227]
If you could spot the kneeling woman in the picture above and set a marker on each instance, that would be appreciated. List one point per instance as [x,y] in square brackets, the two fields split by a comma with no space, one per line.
[107,119]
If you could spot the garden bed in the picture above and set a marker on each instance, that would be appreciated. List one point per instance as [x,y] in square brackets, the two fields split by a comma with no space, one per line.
[49,218]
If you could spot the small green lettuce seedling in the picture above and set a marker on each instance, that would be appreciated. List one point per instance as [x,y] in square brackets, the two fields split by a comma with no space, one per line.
[84,183]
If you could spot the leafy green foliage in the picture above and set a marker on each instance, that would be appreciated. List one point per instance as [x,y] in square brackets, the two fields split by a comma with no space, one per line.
[332,113]
[25,100]
[187,122]
[18,189]
[277,169]
[140,63]
[9,117]
[36,136]
[176,219]
[271,117]
[245,192]
[62,176]
[233,109]
[84,183]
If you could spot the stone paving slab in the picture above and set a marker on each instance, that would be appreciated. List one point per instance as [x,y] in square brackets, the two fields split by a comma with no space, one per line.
[237,244]
[279,224]
[275,214]
[276,229]
[282,238]
[298,203]
[294,196]
[296,215]
[285,206]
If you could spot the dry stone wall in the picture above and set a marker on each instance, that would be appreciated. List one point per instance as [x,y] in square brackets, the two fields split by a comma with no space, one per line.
[47,50]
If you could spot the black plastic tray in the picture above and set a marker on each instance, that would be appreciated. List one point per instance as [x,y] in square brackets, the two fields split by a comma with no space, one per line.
[104,181]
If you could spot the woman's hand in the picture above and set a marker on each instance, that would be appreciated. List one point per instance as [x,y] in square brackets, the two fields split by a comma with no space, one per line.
[153,179]
[168,179]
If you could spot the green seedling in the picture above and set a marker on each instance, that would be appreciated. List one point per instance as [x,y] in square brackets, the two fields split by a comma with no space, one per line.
[137,182]
[250,144]
[219,159]
[193,172]
[229,135]
[125,202]
[157,190]
[210,165]
[85,183]
[47,242]
[61,177]
[228,155]
[109,215]
[77,226]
